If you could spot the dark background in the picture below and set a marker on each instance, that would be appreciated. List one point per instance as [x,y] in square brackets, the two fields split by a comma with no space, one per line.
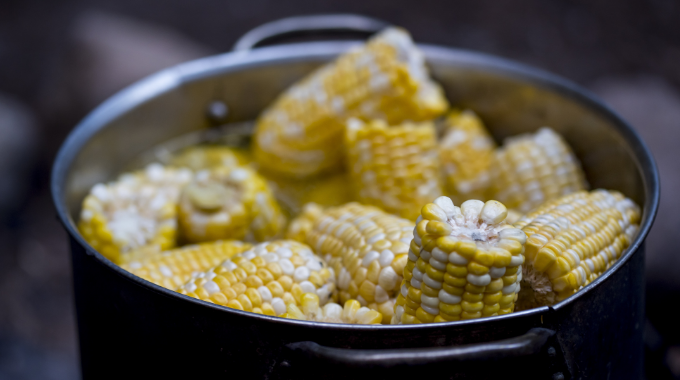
[59,59]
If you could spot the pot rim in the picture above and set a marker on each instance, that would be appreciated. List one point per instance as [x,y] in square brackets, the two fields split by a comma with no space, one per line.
[171,78]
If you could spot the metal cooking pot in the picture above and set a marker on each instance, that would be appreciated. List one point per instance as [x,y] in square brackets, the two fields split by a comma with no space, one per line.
[129,327]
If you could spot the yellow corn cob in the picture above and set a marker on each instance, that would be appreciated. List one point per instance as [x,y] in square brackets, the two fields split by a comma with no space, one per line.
[300,226]
[229,203]
[571,241]
[264,279]
[463,263]
[534,168]
[353,312]
[466,151]
[394,168]
[209,157]
[367,249]
[386,78]
[136,210]
[173,268]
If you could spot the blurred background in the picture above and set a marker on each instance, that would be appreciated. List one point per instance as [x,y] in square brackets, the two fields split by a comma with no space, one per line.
[59,59]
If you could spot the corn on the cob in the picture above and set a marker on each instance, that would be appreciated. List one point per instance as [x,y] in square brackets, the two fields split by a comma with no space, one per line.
[136,210]
[386,78]
[264,279]
[466,152]
[352,312]
[395,168]
[571,241]
[209,157]
[367,249]
[173,268]
[534,168]
[229,203]
[463,263]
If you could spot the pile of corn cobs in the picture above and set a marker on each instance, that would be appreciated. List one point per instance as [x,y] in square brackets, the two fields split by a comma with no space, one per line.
[363,188]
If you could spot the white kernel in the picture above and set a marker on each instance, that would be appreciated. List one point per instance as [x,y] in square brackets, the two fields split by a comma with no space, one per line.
[429,309]
[388,278]
[332,311]
[446,204]
[265,293]
[509,289]
[516,260]
[386,257]
[412,256]
[313,264]
[301,274]
[284,252]
[211,287]
[249,255]
[513,234]
[165,271]
[287,267]
[429,301]
[239,175]
[307,286]
[425,255]
[279,306]
[368,259]
[437,264]
[471,209]
[271,257]
[439,254]
[417,274]
[404,290]
[229,265]
[324,294]
[482,280]
[415,283]
[496,272]
[417,239]
[210,275]
[190,287]
[344,279]
[451,299]
[381,295]
[456,259]
[434,284]
[375,238]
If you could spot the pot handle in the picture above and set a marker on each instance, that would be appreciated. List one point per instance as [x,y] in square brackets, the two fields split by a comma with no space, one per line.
[538,348]
[313,24]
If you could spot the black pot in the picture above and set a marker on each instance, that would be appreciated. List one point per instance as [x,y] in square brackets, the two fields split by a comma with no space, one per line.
[132,328]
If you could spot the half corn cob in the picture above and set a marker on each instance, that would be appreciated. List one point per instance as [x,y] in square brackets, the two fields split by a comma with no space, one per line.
[352,312]
[386,78]
[395,168]
[463,263]
[367,249]
[173,268]
[229,203]
[571,241]
[466,152]
[136,210]
[264,279]
[209,157]
[534,168]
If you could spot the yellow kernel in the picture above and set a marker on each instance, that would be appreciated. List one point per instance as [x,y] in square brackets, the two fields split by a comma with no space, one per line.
[433,212]
[485,258]
[456,291]
[473,297]
[286,282]
[439,228]
[544,258]
[467,249]
[424,316]
[219,299]
[454,281]
[234,304]
[447,243]
[253,281]
[434,273]
[428,291]
[477,269]
[414,294]
[254,297]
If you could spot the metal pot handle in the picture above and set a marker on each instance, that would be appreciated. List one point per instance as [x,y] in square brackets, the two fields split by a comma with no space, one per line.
[537,342]
[313,24]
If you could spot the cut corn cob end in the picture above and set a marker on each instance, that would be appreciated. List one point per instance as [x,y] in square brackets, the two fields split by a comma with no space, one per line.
[264,279]
[466,152]
[463,263]
[367,248]
[396,168]
[136,210]
[311,310]
[175,267]
[229,203]
[386,78]
[572,241]
[535,168]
